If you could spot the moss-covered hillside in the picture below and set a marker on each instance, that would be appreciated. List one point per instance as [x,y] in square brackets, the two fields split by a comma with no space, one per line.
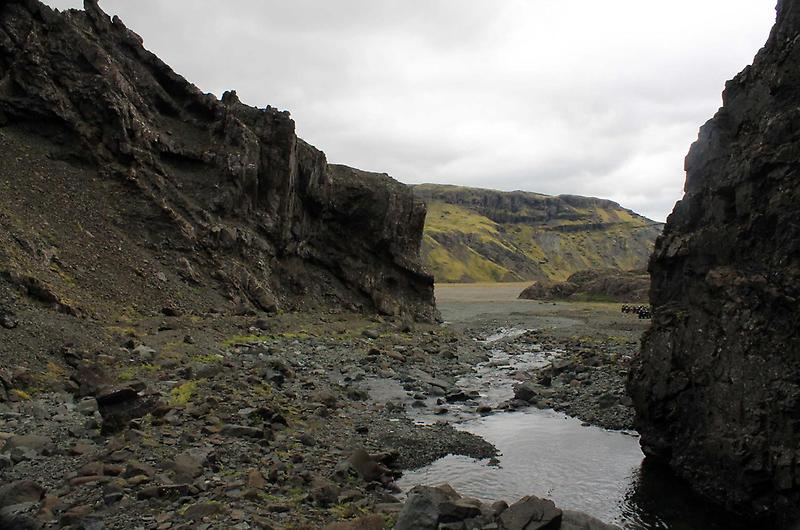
[476,235]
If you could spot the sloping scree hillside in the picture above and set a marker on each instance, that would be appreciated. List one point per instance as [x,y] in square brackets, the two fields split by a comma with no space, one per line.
[125,188]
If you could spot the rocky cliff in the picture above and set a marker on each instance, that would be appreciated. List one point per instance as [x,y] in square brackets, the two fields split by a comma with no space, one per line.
[125,188]
[717,386]
[474,235]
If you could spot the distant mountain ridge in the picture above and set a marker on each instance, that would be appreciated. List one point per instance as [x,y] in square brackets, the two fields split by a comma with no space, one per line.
[480,235]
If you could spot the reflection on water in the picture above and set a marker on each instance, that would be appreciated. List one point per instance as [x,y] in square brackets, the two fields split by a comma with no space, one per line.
[599,472]
[656,499]
[548,454]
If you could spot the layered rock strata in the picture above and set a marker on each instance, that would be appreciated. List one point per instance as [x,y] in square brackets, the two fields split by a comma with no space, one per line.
[228,194]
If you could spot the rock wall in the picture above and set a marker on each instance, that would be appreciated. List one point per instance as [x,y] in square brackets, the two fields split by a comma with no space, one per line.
[227,189]
[717,386]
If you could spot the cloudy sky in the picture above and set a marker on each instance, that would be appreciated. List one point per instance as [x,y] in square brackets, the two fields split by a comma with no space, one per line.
[581,97]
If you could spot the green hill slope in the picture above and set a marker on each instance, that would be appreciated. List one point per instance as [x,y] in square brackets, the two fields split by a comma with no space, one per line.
[476,235]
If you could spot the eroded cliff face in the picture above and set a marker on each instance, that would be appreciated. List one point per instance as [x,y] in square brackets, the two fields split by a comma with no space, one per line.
[717,386]
[221,196]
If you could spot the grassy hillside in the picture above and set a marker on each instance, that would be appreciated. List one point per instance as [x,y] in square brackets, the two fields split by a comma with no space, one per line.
[475,235]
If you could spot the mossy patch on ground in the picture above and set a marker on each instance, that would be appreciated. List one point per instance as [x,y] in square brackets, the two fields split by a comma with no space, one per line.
[182,394]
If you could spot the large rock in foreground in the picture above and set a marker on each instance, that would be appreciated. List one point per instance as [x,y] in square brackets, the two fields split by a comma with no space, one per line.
[123,183]
[717,387]
[432,508]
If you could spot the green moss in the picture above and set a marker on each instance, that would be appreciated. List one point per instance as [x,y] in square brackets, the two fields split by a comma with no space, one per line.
[447,218]
[469,265]
[181,395]
[174,349]
[21,394]
[264,389]
[347,510]
[132,372]
[183,510]
[209,358]
[123,331]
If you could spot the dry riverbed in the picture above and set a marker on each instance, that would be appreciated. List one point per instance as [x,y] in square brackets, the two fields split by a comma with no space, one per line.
[294,421]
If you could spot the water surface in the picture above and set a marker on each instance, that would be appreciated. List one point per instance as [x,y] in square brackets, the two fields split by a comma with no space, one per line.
[548,454]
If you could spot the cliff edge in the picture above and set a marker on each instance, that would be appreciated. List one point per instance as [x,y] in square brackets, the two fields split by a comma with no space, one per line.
[124,187]
[717,385]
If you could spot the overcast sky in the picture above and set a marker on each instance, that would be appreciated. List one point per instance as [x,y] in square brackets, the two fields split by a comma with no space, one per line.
[582,97]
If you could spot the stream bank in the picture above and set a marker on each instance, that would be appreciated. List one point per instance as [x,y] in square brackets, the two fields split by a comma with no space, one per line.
[547,360]
[302,420]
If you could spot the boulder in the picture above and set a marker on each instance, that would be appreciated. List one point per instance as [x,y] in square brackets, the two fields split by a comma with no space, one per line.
[442,508]
[119,405]
[187,466]
[7,319]
[242,431]
[368,468]
[422,509]
[200,510]
[20,492]
[531,513]
[32,442]
[525,392]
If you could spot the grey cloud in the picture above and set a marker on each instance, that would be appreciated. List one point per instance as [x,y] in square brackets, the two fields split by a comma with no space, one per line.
[582,97]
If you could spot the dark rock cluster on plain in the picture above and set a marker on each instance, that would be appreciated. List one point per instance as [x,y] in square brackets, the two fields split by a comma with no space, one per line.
[271,430]
[717,387]
[607,285]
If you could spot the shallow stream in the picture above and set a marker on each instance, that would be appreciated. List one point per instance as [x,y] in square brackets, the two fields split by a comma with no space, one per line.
[548,454]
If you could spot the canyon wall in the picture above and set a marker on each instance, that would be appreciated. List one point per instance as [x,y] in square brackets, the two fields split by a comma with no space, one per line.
[100,137]
[717,386]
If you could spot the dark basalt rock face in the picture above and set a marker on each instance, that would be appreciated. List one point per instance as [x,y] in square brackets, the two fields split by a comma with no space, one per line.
[230,187]
[717,386]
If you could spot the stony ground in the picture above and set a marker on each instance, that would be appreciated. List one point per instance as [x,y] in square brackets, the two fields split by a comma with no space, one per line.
[586,380]
[293,421]
[592,346]
[271,426]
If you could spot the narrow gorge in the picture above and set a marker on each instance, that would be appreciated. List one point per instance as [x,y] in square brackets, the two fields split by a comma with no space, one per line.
[206,325]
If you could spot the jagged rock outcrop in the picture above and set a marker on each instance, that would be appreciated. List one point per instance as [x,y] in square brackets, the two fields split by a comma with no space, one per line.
[219,193]
[474,235]
[717,386]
